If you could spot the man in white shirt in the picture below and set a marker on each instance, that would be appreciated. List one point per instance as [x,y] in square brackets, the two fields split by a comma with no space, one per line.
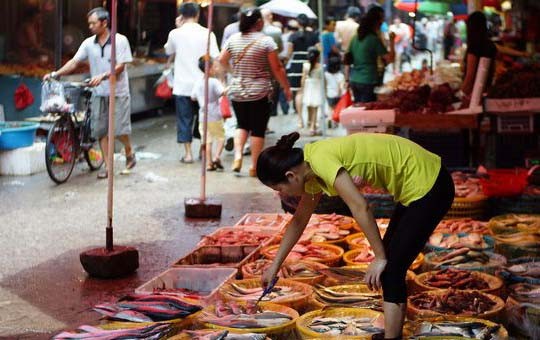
[97,50]
[346,29]
[188,44]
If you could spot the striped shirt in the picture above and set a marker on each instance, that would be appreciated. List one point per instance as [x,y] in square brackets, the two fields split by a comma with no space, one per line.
[251,79]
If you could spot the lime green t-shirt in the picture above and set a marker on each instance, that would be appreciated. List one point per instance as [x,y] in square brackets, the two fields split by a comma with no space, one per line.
[402,167]
[365,53]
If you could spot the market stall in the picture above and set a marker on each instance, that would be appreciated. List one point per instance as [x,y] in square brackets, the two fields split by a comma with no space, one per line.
[26,65]
[321,296]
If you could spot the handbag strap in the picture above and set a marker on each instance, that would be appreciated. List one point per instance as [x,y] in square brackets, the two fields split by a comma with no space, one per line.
[244,51]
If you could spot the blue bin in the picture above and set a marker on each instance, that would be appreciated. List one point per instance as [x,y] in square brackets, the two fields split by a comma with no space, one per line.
[15,135]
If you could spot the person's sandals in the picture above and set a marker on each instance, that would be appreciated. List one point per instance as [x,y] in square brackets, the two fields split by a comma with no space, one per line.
[131,161]
[237,165]
[211,167]
[102,174]
[186,161]
[217,164]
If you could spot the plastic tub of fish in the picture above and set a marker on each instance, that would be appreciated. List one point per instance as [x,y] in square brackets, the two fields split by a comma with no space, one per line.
[474,241]
[462,225]
[523,317]
[222,334]
[342,221]
[522,244]
[267,326]
[522,270]
[192,283]
[300,271]
[340,323]
[514,223]
[239,236]
[327,228]
[459,279]
[356,241]
[184,323]
[469,327]
[217,256]
[364,255]
[434,303]
[327,254]
[286,292]
[464,258]
[382,223]
[277,221]
[353,295]
[123,330]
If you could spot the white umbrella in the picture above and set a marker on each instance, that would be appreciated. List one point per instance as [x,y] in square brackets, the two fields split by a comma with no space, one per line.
[289,8]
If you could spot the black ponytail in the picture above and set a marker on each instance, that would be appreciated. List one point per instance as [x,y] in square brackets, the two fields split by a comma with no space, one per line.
[313,56]
[276,160]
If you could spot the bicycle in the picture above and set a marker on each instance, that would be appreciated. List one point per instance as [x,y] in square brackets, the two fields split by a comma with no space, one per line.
[70,136]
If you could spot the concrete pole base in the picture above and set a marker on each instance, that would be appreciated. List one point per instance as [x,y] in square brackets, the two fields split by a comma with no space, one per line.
[197,208]
[100,263]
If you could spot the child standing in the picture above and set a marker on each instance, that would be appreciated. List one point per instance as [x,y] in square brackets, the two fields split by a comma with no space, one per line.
[216,132]
[335,82]
[312,74]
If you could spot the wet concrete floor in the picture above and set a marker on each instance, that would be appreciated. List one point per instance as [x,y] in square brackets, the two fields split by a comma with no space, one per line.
[44,227]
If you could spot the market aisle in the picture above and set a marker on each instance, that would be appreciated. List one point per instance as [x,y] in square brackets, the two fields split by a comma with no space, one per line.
[43,288]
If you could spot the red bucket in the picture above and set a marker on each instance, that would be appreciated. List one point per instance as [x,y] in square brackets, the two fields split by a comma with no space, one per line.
[505,182]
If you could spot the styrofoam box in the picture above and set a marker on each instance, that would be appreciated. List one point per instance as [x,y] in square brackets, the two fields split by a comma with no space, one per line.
[206,281]
[354,118]
[270,232]
[23,161]
[280,220]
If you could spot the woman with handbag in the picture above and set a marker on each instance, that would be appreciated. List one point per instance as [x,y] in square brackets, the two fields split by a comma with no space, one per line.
[255,60]
[361,58]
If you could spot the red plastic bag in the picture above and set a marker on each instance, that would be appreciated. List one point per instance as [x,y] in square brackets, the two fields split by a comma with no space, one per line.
[23,97]
[163,90]
[344,102]
[225,107]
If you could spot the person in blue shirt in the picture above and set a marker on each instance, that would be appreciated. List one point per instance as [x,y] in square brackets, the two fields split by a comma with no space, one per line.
[329,45]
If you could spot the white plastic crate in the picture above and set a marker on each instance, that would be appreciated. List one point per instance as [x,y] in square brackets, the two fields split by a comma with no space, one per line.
[23,161]
[206,281]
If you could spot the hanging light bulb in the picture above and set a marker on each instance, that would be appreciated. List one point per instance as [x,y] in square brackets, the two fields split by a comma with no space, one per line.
[506,5]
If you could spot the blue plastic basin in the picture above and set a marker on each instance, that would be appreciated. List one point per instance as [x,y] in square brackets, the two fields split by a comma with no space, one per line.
[15,135]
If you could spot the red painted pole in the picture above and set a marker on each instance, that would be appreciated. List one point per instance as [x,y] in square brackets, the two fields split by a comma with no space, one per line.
[110,136]
[205,120]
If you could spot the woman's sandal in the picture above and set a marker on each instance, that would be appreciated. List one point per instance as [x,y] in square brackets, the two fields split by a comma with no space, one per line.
[237,165]
[211,167]
[217,164]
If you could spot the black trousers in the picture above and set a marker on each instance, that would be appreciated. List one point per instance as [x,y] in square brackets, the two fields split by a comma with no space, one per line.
[409,230]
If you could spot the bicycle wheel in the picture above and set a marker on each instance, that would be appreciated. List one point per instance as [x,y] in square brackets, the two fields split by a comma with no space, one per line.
[94,156]
[61,150]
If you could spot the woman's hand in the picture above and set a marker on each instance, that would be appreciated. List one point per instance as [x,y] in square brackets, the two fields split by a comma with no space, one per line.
[374,271]
[269,275]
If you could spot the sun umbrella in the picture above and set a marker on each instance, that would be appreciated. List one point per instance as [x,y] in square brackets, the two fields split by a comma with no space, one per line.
[459,11]
[289,8]
[407,5]
[433,7]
